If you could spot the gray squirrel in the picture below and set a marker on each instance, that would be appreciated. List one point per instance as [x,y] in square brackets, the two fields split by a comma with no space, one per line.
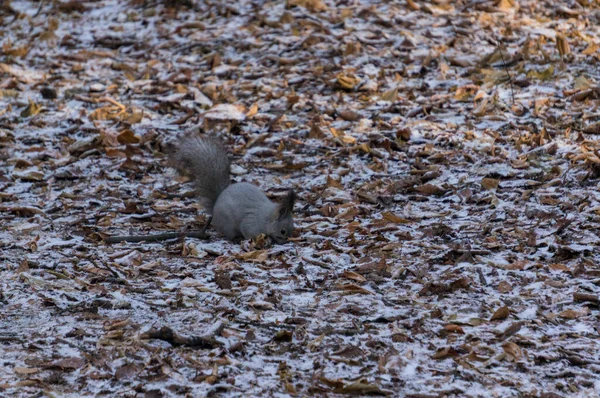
[239,210]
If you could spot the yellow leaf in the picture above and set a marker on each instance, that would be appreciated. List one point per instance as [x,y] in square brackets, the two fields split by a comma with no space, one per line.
[347,81]
[31,110]
[390,95]
[545,74]
[412,5]
[591,48]
[256,255]
[135,117]
[253,110]
[311,5]
[562,45]
[505,5]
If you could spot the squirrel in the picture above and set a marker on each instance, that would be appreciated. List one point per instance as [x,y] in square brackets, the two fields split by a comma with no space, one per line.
[239,210]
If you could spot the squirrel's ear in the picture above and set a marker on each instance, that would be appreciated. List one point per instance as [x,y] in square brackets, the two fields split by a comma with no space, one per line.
[286,207]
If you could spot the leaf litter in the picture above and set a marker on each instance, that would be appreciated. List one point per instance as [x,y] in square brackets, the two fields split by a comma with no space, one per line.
[446,159]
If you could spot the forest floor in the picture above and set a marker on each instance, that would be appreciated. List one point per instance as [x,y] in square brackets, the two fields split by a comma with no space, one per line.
[447,167]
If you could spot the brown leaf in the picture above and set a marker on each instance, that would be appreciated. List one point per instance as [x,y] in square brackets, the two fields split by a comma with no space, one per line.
[26,371]
[283,336]
[430,189]
[511,330]
[593,128]
[128,137]
[354,276]
[223,280]
[412,5]
[559,267]
[592,298]
[501,313]
[453,328]
[573,314]
[332,182]
[391,217]
[403,134]
[446,352]
[311,5]
[513,350]
[504,287]
[349,115]
[562,45]
[350,288]
[128,371]
[490,184]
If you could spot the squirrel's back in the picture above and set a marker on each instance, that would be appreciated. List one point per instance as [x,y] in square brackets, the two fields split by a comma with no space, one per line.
[205,161]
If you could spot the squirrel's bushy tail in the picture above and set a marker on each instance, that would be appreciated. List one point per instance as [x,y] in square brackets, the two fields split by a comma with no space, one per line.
[205,161]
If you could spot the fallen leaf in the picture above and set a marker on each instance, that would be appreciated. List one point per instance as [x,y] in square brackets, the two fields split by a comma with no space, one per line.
[347,81]
[31,110]
[490,184]
[500,313]
[514,351]
[391,217]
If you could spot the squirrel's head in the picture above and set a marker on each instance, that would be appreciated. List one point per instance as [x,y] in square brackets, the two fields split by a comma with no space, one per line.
[282,226]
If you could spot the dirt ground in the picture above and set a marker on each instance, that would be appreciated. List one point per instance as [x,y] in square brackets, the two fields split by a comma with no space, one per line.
[447,167]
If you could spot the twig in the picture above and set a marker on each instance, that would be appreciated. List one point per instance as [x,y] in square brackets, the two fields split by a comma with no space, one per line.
[39,8]
[112,101]
[512,93]
[157,237]
[481,277]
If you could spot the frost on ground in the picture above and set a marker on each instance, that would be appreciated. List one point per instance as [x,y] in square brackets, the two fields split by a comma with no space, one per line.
[447,168]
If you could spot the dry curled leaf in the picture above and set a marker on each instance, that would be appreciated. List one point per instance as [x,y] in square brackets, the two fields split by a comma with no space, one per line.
[347,81]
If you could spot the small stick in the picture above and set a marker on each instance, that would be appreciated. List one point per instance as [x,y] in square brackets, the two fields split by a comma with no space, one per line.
[112,101]
[39,8]
[512,93]
[156,237]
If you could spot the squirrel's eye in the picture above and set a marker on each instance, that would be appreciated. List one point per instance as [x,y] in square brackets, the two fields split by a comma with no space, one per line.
[283,232]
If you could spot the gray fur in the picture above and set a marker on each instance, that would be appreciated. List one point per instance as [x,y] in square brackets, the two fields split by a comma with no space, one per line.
[205,161]
[239,210]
